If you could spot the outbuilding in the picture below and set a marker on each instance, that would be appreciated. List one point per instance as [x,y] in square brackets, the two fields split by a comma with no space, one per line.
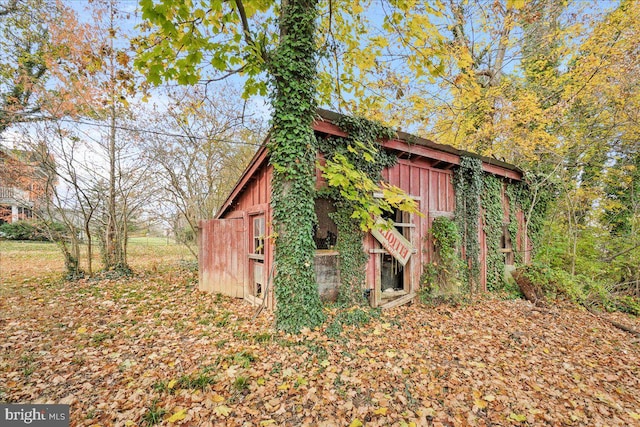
[236,253]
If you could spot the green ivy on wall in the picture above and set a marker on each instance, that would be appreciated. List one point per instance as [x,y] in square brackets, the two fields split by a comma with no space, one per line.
[514,206]
[293,150]
[534,205]
[445,275]
[352,257]
[467,181]
[353,171]
[493,215]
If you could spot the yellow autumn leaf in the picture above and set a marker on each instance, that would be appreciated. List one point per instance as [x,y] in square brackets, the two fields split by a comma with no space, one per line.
[267,423]
[217,398]
[356,423]
[129,423]
[180,415]
[517,417]
[381,411]
[480,403]
[172,384]
[81,330]
[222,410]
[634,415]
[516,4]
[283,386]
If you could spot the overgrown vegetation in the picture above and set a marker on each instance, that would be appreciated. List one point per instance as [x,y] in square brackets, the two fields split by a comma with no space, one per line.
[353,168]
[492,220]
[444,278]
[292,150]
[353,316]
[467,181]
[550,284]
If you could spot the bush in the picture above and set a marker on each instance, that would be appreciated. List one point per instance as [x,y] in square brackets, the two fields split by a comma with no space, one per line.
[31,230]
[554,283]
[627,304]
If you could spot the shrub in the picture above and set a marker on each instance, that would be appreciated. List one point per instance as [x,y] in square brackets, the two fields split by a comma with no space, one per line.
[32,230]
[554,283]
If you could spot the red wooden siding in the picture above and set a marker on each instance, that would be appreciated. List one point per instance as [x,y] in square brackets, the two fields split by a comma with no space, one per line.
[222,268]
[254,200]
[224,249]
[433,189]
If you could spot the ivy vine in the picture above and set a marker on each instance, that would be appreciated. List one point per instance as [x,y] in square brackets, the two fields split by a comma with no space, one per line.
[514,206]
[493,215]
[351,256]
[293,150]
[353,168]
[444,276]
[467,181]
[521,197]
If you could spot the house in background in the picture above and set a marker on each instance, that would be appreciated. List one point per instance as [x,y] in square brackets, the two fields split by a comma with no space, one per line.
[237,260]
[23,183]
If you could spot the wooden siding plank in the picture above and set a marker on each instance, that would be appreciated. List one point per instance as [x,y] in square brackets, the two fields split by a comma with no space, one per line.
[442,192]
[422,151]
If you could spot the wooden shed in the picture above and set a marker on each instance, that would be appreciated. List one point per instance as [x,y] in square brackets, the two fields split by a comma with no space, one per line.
[236,257]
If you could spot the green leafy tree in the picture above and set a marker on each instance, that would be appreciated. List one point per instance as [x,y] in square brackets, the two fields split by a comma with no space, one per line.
[24,42]
[221,30]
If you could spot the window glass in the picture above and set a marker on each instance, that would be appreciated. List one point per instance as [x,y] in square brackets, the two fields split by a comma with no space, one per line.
[258,235]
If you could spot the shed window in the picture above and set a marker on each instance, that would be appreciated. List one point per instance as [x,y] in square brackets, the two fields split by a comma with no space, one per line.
[507,246]
[258,235]
[325,231]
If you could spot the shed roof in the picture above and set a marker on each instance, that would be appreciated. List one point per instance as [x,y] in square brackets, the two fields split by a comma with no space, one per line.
[407,143]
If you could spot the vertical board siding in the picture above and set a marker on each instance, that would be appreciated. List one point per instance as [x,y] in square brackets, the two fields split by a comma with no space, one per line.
[222,265]
[224,257]
[255,197]
[434,190]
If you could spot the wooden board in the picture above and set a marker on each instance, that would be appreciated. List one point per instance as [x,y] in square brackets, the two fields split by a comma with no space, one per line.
[222,257]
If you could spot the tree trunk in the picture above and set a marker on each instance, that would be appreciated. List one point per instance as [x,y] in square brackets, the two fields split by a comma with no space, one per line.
[293,155]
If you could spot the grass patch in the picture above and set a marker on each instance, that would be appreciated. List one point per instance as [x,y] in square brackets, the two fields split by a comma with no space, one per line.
[241,383]
[244,358]
[153,415]
[262,337]
[200,381]
[25,260]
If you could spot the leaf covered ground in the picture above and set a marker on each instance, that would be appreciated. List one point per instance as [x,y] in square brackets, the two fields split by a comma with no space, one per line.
[154,349]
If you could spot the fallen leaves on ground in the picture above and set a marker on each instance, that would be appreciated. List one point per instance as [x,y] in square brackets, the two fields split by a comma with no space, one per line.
[154,349]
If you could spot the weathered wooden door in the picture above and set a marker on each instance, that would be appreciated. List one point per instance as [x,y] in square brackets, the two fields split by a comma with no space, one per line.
[223,256]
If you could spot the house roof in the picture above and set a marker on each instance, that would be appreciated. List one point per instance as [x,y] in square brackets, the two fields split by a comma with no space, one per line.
[405,142]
